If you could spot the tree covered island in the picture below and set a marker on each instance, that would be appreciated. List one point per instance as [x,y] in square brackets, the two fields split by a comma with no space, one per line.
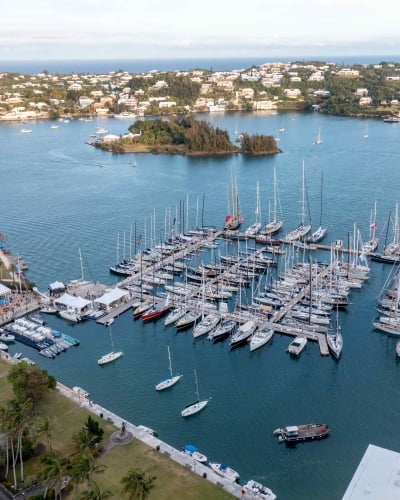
[185,135]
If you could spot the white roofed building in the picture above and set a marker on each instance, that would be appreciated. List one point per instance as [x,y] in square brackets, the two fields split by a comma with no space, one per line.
[112,297]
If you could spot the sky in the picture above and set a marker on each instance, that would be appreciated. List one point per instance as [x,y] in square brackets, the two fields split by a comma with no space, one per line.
[165,29]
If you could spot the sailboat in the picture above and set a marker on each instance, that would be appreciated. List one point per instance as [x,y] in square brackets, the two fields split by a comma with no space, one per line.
[335,340]
[234,219]
[372,244]
[252,230]
[111,356]
[171,380]
[318,140]
[276,223]
[303,228]
[319,233]
[366,131]
[197,406]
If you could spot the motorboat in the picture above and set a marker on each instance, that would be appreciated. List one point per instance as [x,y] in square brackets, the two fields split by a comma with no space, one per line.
[243,333]
[147,430]
[70,315]
[225,471]
[81,392]
[3,347]
[299,433]
[296,346]
[6,337]
[193,451]
[258,490]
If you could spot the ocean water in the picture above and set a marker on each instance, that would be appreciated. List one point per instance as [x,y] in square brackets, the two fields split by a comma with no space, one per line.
[66,66]
[59,195]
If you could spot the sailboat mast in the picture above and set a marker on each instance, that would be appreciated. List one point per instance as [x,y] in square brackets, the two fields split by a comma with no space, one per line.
[169,360]
[197,388]
[302,197]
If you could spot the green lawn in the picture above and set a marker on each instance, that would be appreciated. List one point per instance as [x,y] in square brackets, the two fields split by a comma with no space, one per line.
[173,481]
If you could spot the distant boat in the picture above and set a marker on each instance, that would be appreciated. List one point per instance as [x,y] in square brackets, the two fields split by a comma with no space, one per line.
[320,233]
[335,339]
[54,126]
[318,140]
[276,223]
[296,346]
[197,406]
[101,131]
[303,229]
[233,220]
[169,381]
[298,433]
[193,451]
[365,135]
[258,490]
[26,131]
[225,471]
[111,356]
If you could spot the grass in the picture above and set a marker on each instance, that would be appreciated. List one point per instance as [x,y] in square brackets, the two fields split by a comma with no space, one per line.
[173,480]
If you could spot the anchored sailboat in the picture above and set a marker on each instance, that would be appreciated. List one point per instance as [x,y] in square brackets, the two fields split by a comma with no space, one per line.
[197,406]
[171,380]
[111,356]
[252,230]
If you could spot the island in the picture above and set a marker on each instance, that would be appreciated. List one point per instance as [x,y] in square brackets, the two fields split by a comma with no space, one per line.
[187,136]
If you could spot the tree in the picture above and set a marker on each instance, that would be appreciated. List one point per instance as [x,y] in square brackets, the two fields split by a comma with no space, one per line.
[94,493]
[45,429]
[56,469]
[136,484]
[93,427]
[30,382]
[85,444]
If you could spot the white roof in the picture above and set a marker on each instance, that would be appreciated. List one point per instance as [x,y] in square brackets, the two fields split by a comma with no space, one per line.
[377,476]
[4,290]
[72,301]
[57,285]
[111,295]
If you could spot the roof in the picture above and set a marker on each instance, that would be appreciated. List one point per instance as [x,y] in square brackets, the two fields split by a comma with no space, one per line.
[111,295]
[377,476]
[57,285]
[4,290]
[71,301]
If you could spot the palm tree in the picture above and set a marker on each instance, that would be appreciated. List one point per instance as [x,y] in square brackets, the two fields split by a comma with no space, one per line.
[136,484]
[83,469]
[85,444]
[45,429]
[94,493]
[56,470]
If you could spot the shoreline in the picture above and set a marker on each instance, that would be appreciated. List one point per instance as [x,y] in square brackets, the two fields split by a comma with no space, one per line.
[235,489]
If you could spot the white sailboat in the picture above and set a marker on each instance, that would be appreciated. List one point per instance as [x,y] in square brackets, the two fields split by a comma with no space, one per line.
[197,406]
[252,230]
[234,219]
[320,232]
[303,229]
[276,223]
[372,244]
[110,356]
[318,140]
[335,339]
[171,380]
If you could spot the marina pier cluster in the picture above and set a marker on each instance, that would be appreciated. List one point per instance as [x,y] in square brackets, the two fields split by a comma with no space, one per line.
[158,282]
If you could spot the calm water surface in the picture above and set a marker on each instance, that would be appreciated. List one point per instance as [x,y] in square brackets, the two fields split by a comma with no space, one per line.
[59,195]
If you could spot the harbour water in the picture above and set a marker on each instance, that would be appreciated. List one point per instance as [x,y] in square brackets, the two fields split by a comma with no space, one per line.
[59,195]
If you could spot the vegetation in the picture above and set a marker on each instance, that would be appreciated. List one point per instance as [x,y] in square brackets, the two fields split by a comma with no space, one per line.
[185,135]
[65,453]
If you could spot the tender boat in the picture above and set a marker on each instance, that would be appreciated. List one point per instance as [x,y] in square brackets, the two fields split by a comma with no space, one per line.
[3,347]
[225,471]
[258,490]
[147,430]
[81,392]
[296,346]
[6,337]
[299,433]
[70,315]
[193,451]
